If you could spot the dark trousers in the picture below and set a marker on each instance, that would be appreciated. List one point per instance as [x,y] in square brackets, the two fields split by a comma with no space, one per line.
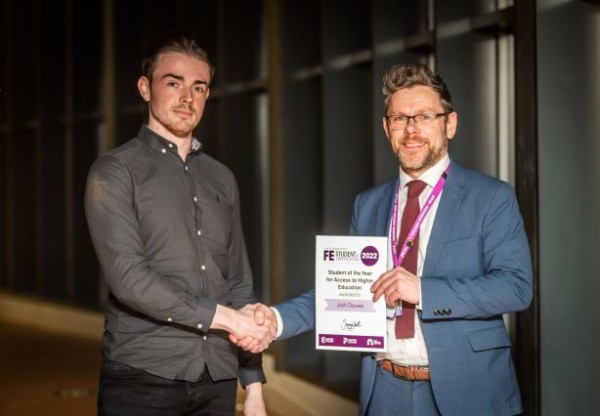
[127,391]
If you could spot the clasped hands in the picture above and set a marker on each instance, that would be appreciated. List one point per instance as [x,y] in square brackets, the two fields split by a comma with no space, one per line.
[256,326]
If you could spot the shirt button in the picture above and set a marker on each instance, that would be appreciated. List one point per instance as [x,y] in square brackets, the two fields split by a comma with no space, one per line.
[171,145]
[204,337]
[199,326]
[163,150]
[199,232]
[195,199]
[203,267]
[169,320]
[186,168]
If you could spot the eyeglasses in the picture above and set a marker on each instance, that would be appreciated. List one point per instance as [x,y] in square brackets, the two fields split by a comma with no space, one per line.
[423,119]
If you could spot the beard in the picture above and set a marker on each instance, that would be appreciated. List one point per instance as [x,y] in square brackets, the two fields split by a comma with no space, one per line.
[181,128]
[412,162]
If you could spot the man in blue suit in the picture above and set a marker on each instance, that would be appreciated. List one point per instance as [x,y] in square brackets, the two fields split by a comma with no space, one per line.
[472,266]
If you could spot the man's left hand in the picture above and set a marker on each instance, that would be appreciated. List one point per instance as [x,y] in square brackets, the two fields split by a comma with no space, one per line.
[397,285]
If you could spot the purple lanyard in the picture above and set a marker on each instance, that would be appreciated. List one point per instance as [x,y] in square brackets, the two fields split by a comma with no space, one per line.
[437,190]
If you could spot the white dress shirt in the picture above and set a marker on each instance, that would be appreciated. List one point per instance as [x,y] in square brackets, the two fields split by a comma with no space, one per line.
[412,351]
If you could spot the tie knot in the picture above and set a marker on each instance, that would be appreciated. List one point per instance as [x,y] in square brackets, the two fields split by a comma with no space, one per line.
[415,188]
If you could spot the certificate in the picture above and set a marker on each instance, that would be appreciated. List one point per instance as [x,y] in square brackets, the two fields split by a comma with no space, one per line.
[346,317]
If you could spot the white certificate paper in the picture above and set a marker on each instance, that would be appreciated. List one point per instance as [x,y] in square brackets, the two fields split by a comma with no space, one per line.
[346,317]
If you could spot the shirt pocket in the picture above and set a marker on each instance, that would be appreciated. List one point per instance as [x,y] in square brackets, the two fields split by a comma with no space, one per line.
[217,222]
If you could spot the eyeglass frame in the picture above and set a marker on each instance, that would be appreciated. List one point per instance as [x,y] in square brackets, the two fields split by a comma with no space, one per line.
[414,117]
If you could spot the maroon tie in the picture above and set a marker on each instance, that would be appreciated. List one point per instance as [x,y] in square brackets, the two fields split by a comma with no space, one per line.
[405,324]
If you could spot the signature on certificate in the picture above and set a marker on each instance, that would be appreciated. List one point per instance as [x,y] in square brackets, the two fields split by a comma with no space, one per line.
[350,325]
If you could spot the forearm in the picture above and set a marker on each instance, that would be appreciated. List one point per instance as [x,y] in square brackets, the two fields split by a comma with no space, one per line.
[487,273]
[254,404]
[297,314]
[250,370]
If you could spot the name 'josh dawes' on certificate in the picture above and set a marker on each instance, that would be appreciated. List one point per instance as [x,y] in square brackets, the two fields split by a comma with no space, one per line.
[346,317]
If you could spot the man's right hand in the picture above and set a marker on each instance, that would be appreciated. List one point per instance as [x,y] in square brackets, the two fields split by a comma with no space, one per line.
[252,328]
[263,317]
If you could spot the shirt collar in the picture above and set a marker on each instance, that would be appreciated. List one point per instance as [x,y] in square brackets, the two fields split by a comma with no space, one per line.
[431,175]
[157,142]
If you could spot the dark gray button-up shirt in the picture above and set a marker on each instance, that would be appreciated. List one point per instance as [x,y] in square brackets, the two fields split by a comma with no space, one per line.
[168,236]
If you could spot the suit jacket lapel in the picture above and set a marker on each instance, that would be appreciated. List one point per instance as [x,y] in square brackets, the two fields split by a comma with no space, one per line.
[384,209]
[450,201]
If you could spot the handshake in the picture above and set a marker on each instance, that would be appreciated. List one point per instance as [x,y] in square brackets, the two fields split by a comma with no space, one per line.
[251,328]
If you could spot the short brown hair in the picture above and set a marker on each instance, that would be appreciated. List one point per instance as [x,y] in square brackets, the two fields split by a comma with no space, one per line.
[173,42]
[409,75]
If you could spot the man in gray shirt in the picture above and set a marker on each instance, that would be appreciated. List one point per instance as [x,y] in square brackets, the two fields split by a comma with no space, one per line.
[164,218]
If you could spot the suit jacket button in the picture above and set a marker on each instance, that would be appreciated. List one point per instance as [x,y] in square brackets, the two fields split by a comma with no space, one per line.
[449,311]
[436,312]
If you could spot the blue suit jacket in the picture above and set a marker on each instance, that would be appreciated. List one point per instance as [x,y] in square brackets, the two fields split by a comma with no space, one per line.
[477,267]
